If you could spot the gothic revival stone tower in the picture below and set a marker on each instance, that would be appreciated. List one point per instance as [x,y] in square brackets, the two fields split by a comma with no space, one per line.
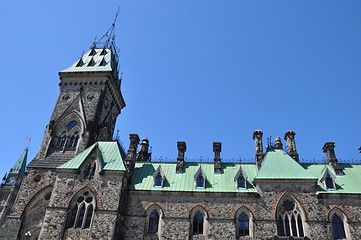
[57,178]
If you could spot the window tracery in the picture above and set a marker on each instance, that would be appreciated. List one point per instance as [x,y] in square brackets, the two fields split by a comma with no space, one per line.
[198,221]
[289,218]
[61,139]
[82,210]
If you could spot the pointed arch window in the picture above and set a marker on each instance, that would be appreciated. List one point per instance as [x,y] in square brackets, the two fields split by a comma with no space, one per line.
[241,179]
[159,177]
[243,225]
[200,181]
[241,182]
[82,209]
[74,140]
[339,224]
[198,222]
[289,218]
[200,178]
[61,140]
[328,178]
[153,222]
[158,180]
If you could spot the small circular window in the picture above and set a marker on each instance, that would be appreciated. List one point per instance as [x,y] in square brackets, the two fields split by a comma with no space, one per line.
[72,124]
[37,178]
[66,97]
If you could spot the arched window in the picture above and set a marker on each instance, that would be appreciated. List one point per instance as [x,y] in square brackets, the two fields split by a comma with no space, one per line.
[339,224]
[198,222]
[243,225]
[74,140]
[82,209]
[289,218]
[61,140]
[338,229]
[153,222]
[241,182]
[158,180]
[200,181]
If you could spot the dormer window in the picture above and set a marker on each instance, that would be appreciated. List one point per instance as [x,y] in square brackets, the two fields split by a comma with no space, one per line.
[200,181]
[241,179]
[241,182]
[328,179]
[329,182]
[200,178]
[158,180]
[158,177]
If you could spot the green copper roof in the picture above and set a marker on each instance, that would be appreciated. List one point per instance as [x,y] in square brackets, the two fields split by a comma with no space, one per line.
[143,178]
[347,183]
[19,167]
[95,60]
[279,165]
[111,156]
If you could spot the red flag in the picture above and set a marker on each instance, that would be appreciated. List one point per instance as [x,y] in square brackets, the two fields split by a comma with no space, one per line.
[28,139]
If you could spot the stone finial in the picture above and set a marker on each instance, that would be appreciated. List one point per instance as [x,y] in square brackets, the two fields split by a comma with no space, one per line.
[182,147]
[329,149]
[278,143]
[291,145]
[132,151]
[217,148]
[257,137]
[143,154]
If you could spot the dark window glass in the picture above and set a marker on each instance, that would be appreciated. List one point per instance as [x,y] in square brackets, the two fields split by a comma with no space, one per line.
[280,227]
[293,226]
[153,222]
[72,124]
[241,182]
[89,215]
[300,227]
[287,226]
[200,181]
[288,205]
[329,183]
[94,167]
[73,216]
[61,139]
[158,180]
[337,227]
[198,224]
[79,222]
[243,225]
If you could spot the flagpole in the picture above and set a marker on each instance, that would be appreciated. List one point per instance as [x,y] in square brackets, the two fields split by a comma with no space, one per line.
[29,139]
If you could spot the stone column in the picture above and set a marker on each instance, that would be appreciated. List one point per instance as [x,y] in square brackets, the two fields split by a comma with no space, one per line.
[329,149]
[257,137]
[217,148]
[182,147]
[132,151]
[291,145]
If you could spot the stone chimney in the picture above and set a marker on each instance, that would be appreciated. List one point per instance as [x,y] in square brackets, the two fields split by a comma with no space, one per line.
[257,137]
[217,148]
[132,151]
[329,149]
[182,147]
[143,155]
[291,145]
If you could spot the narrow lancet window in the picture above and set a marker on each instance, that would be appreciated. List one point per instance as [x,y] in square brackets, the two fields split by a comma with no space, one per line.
[158,180]
[338,228]
[241,182]
[153,222]
[61,140]
[243,225]
[198,221]
[200,181]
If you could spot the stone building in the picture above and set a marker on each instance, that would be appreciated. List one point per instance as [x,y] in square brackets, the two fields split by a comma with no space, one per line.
[84,185]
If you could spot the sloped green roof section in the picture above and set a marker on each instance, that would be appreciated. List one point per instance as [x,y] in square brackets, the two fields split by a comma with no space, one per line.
[279,165]
[111,156]
[95,60]
[143,177]
[348,183]
[19,167]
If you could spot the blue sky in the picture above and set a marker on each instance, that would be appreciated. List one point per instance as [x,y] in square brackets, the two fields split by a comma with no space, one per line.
[195,71]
